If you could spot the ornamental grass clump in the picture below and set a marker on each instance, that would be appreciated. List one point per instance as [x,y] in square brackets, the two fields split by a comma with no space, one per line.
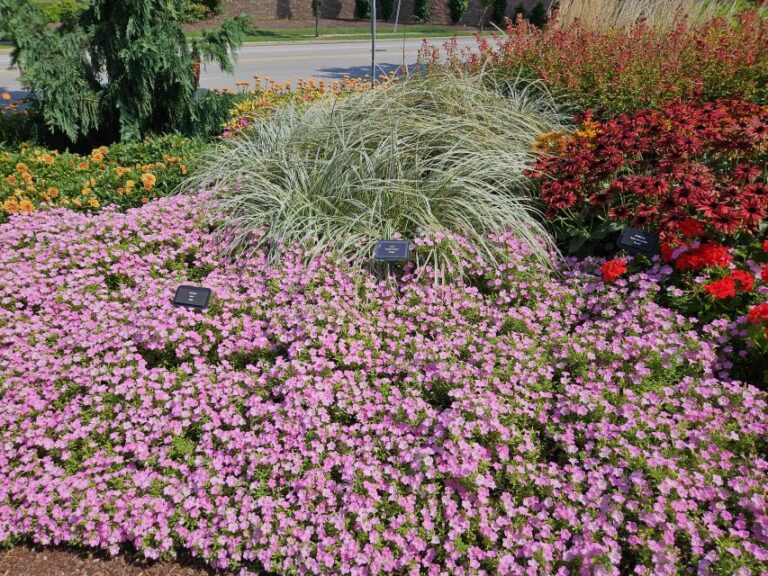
[431,155]
[661,15]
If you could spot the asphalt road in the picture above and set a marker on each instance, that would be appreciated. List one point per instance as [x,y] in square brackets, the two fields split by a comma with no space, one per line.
[294,60]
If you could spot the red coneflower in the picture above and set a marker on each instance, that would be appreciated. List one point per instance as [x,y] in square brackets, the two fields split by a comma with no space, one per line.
[746,172]
[753,211]
[619,213]
[726,220]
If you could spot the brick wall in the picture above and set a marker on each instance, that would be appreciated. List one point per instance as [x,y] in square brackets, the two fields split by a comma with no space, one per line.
[261,10]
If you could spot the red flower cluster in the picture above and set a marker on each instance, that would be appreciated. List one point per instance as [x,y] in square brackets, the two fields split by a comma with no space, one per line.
[721,289]
[737,281]
[705,256]
[758,314]
[744,280]
[764,274]
[688,169]
[612,269]
[727,56]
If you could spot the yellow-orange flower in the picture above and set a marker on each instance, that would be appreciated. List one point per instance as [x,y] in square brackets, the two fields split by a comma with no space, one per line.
[97,155]
[129,184]
[6,96]
[11,206]
[52,192]
[148,180]
[26,206]
[27,176]
[11,179]
[83,166]
[94,202]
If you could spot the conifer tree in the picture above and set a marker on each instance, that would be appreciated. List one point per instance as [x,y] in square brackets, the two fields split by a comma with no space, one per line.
[122,69]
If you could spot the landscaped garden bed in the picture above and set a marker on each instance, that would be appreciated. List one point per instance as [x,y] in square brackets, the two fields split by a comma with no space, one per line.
[311,421]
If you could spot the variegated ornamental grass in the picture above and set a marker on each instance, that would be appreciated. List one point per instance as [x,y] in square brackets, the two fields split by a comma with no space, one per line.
[432,154]
[316,420]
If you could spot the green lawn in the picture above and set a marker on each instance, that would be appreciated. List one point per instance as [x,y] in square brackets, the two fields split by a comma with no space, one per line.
[356,33]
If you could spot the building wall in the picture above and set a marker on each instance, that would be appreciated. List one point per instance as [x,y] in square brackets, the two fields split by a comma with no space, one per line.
[344,9]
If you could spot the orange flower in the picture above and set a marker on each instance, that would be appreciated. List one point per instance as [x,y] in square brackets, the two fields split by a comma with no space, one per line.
[11,179]
[11,206]
[6,96]
[98,154]
[148,180]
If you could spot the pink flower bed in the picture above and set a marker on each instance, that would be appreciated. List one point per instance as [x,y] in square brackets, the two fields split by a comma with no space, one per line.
[314,420]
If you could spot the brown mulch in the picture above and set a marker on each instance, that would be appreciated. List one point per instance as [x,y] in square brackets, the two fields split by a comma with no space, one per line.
[28,561]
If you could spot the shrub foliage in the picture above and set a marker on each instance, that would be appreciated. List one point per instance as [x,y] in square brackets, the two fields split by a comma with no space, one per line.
[722,58]
[118,70]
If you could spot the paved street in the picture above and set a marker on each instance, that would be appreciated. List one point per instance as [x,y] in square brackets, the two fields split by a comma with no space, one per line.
[291,61]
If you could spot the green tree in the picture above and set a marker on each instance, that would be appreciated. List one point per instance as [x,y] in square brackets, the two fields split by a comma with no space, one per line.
[519,11]
[317,8]
[386,9]
[538,16]
[499,10]
[117,70]
[362,9]
[421,10]
[457,9]
[486,4]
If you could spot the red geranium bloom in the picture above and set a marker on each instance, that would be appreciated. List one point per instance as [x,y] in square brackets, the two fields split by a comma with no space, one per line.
[765,246]
[758,314]
[612,269]
[667,249]
[715,255]
[721,289]
[744,280]
[764,274]
[691,228]
[706,255]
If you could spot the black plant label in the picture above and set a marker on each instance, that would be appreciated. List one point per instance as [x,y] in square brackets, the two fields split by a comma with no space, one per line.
[195,297]
[636,241]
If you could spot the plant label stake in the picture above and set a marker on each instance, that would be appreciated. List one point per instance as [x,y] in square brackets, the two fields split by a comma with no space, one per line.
[636,241]
[195,297]
[392,250]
